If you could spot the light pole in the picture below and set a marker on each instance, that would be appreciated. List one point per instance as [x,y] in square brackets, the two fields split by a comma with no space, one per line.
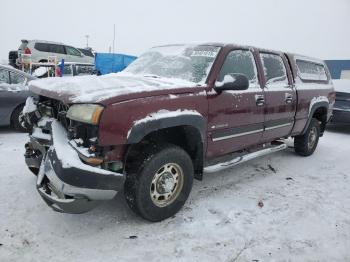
[87,40]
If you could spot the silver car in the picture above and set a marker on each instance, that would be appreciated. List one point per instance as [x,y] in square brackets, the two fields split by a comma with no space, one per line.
[40,51]
[13,95]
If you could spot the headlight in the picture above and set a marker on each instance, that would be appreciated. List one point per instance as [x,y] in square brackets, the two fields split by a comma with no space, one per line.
[86,113]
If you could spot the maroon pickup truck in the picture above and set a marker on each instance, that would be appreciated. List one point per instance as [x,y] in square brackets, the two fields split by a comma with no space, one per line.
[175,113]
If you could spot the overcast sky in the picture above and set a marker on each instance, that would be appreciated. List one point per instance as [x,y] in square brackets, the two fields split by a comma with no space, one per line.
[318,28]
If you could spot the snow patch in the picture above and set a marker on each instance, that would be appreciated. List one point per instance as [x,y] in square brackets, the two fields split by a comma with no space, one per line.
[163,114]
[98,88]
[316,100]
[67,155]
[40,71]
[13,87]
[166,114]
[30,106]
[227,79]
[37,133]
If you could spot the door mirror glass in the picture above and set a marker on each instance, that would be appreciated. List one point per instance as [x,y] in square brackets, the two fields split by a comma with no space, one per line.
[232,82]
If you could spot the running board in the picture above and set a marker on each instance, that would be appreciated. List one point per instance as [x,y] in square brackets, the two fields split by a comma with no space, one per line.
[238,160]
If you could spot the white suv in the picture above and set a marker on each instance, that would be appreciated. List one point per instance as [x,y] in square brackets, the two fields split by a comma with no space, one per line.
[40,51]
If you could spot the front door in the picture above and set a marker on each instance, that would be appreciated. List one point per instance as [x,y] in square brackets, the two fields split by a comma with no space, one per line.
[280,96]
[236,118]
[4,87]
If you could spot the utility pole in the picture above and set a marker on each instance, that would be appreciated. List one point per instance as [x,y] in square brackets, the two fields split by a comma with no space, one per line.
[87,40]
[113,38]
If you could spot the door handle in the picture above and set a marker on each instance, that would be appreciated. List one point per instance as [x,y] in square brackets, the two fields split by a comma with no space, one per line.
[259,100]
[288,98]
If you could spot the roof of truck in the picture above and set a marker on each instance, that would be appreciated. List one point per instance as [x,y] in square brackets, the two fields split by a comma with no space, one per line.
[225,44]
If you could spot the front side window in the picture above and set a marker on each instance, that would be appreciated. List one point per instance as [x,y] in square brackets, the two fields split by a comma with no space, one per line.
[72,51]
[16,78]
[240,62]
[4,77]
[274,70]
[186,62]
[311,71]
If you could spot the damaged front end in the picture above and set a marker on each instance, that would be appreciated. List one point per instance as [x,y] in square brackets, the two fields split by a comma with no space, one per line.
[73,176]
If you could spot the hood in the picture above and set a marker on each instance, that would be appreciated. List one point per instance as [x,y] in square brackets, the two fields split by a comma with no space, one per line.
[106,89]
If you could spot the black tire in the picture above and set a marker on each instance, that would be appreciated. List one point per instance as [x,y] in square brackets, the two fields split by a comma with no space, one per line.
[306,144]
[139,187]
[15,120]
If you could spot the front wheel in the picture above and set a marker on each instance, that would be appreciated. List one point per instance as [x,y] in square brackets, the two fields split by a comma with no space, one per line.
[306,144]
[160,184]
[16,119]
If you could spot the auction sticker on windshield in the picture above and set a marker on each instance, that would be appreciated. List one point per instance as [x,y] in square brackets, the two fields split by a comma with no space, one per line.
[205,53]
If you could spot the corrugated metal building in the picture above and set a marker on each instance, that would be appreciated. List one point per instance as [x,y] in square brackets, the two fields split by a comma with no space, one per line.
[339,69]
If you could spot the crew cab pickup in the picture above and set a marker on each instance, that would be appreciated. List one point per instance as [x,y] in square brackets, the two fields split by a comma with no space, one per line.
[176,112]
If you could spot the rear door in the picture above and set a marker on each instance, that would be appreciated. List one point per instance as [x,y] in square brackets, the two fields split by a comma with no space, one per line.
[57,51]
[280,96]
[236,118]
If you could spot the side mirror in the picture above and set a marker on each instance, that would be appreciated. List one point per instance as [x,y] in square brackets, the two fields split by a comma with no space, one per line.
[232,82]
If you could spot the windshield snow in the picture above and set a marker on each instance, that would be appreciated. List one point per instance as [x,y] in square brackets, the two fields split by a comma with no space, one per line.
[187,62]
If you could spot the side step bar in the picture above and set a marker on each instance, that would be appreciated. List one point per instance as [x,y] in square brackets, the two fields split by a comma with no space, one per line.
[238,160]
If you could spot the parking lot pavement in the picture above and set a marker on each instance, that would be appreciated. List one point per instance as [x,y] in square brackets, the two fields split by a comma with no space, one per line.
[281,207]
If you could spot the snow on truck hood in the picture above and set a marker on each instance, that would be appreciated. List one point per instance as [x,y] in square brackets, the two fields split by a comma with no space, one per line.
[84,89]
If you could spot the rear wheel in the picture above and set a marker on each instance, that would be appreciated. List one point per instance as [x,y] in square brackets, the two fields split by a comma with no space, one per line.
[306,144]
[160,184]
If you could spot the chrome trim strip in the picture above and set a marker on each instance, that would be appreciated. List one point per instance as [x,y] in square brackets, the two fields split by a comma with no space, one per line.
[278,126]
[237,135]
[250,132]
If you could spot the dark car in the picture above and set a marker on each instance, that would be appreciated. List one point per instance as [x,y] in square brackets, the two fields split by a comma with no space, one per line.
[341,110]
[174,113]
[13,94]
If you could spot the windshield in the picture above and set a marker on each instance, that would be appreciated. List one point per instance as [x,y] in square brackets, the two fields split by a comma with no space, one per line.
[187,62]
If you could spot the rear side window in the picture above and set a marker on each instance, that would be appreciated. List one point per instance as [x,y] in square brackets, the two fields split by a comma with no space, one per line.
[240,62]
[311,71]
[16,78]
[4,77]
[42,47]
[58,49]
[50,48]
[274,69]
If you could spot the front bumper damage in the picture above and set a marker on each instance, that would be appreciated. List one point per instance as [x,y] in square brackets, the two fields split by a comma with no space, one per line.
[64,182]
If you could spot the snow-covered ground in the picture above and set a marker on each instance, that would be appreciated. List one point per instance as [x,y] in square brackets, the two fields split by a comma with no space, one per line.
[305,214]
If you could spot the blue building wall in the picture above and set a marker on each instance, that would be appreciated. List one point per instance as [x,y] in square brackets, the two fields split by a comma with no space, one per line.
[107,63]
[336,66]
